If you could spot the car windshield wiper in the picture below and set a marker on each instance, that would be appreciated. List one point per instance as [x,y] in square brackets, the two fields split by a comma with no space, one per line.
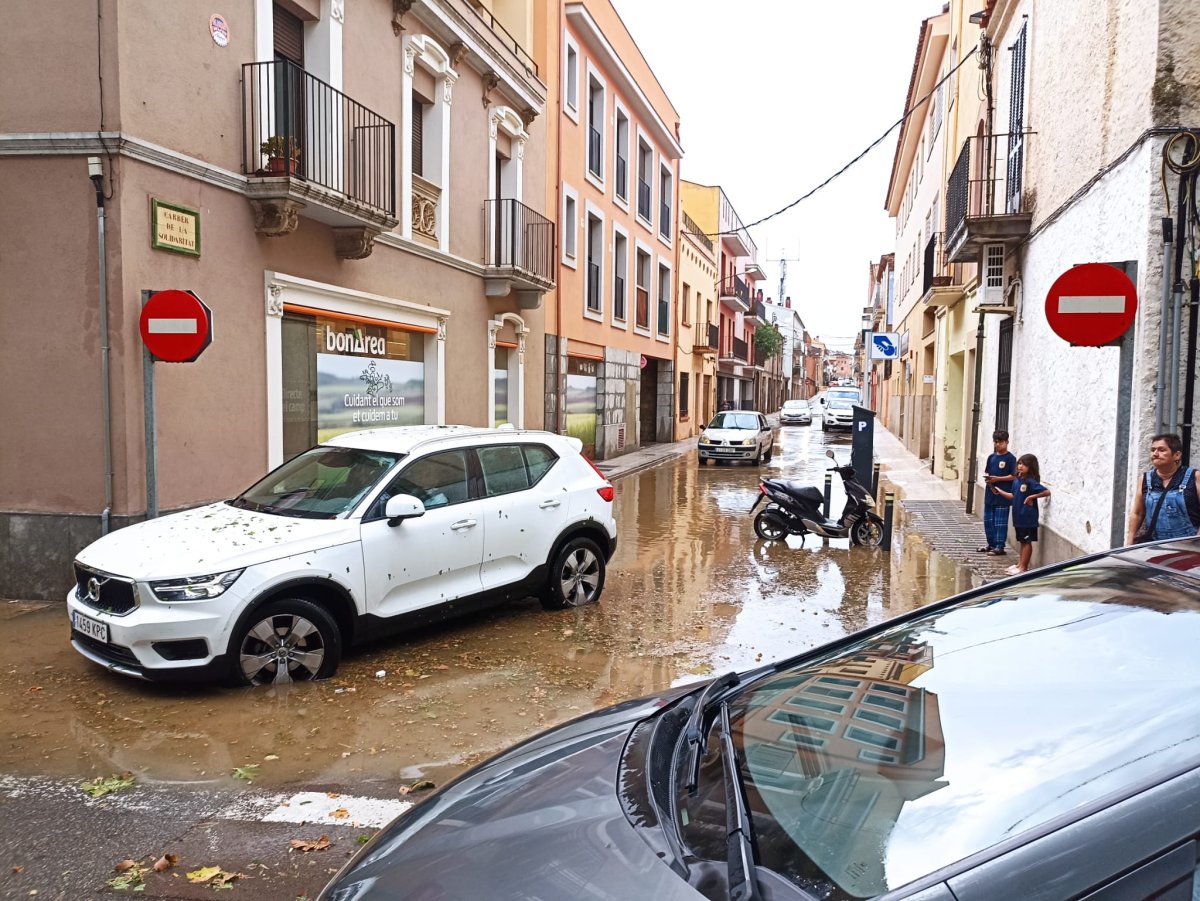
[696,740]
[739,833]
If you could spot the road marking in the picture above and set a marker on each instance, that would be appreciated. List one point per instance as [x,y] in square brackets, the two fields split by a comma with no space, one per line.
[317,808]
[1092,303]
[172,326]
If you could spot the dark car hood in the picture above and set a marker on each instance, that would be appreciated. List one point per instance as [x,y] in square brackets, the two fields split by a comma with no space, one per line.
[540,821]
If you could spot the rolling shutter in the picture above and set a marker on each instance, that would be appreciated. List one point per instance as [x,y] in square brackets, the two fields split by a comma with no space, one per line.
[289,36]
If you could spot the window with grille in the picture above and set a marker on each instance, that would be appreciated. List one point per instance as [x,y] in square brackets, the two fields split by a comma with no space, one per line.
[684,391]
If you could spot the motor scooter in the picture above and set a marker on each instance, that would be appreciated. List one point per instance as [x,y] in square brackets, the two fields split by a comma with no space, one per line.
[794,508]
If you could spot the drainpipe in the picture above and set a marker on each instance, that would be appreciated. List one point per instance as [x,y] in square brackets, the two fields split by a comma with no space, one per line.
[560,398]
[976,410]
[96,174]
[1164,315]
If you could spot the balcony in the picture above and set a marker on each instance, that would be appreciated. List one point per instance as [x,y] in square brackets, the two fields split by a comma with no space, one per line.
[593,287]
[594,151]
[519,251]
[310,150]
[757,314]
[707,339]
[741,350]
[622,173]
[664,220]
[736,293]
[985,203]
[942,281]
[694,231]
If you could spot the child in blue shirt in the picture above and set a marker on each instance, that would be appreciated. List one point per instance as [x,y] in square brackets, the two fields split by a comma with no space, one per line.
[998,472]
[1026,489]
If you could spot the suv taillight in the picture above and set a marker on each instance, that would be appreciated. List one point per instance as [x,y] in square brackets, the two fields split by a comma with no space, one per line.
[607,492]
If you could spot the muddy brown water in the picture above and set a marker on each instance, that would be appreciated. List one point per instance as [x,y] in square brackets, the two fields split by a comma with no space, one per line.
[691,592]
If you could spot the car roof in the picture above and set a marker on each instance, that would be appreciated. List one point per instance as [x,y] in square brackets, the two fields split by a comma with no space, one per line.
[1020,705]
[408,438]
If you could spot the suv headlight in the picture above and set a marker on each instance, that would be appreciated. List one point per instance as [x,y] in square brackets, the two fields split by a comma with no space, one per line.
[194,588]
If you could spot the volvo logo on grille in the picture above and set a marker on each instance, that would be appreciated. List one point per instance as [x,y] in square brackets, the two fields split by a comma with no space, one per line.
[93,590]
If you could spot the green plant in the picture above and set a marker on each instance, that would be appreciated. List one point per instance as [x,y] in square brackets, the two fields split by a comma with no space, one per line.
[277,145]
[768,340]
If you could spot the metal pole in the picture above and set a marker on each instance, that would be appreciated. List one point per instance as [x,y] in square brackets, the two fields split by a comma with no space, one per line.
[1189,388]
[151,430]
[1177,307]
[828,494]
[875,480]
[889,512]
[976,411]
[1163,334]
[1124,419]
[96,174]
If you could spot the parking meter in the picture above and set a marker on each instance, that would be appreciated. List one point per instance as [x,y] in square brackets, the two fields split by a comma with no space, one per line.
[862,445]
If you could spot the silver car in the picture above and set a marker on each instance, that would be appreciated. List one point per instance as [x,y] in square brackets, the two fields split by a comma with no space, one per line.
[795,412]
[737,435]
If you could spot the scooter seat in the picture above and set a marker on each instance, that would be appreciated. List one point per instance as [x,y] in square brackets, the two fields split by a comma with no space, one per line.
[804,492]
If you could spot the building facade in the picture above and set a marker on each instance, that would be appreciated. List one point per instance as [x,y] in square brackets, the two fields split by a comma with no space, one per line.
[356,192]
[611,326]
[696,349]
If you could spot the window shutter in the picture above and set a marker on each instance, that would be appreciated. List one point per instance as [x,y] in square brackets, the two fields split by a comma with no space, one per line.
[1016,123]
[418,144]
[289,36]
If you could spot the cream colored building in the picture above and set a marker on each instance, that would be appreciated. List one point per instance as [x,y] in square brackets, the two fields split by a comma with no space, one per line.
[696,349]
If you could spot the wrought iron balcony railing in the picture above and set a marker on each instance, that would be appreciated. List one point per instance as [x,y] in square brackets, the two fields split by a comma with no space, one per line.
[735,287]
[664,219]
[644,199]
[520,239]
[987,184]
[939,271]
[594,151]
[619,297]
[695,231]
[708,339]
[741,350]
[593,286]
[295,125]
[622,174]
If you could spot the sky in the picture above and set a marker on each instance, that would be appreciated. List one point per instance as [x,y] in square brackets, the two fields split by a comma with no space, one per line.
[773,97]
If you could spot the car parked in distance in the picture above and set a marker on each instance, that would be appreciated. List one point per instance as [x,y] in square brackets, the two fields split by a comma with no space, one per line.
[837,408]
[367,533]
[795,412]
[1034,739]
[737,435]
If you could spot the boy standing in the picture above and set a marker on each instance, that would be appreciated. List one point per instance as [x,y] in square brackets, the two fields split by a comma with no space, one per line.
[997,474]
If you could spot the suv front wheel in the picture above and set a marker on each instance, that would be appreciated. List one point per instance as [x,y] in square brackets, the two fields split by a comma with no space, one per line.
[576,575]
[285,640]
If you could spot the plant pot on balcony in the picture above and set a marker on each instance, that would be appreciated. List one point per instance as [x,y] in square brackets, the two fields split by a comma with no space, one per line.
[281,165]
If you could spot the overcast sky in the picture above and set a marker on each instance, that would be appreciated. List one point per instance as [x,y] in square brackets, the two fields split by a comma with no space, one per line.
[774,96]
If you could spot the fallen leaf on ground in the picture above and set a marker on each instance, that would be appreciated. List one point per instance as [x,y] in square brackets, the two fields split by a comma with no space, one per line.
[129,878]
[271,757]
[301,844]
[98,788]
[245,772]
[340,814]
[165,862]
[124,865]
[18,870]
[203,874]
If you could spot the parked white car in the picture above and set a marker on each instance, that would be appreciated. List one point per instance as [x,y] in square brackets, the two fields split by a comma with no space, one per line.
[737,435]
[366,534]
[795,412]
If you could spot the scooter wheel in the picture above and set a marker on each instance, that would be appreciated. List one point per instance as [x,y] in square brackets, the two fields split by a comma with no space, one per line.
[768,527]
[867,533]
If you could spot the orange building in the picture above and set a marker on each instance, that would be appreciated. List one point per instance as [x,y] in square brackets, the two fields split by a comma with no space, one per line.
[613,160]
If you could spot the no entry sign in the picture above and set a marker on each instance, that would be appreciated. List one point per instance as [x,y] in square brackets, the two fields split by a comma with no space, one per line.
[176,326]
[1091,305]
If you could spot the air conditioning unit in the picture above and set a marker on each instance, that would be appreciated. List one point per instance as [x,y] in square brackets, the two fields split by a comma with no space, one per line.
[991,283]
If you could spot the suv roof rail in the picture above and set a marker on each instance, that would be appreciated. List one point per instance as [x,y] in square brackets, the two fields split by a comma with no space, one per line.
[476,431]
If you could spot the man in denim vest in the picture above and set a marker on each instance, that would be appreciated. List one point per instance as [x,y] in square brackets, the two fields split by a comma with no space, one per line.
[1168,498]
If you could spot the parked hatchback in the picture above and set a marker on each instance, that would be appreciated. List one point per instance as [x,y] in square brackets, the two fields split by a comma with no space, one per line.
[1037,738]
[367,533]
[737,435]
[795,412]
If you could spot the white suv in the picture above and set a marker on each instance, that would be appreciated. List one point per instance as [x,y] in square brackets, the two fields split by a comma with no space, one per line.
[364,534]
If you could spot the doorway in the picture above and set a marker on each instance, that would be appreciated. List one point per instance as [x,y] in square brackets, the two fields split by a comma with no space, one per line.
[648,418]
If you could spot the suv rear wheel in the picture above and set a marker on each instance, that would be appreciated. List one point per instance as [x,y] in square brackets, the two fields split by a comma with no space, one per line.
[576,575]
[285,640]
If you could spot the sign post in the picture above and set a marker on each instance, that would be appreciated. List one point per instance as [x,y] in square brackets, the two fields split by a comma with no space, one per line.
[1091,305]
[176,327]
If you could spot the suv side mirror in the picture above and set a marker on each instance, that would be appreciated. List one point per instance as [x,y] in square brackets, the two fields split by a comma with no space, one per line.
[402,507]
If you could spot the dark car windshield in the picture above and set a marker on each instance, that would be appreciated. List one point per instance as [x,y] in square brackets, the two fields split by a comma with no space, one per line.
[734,421]
[914,748]
[321,483]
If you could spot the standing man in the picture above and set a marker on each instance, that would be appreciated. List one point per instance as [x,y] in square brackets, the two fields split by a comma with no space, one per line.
[1167,502]
[998,473]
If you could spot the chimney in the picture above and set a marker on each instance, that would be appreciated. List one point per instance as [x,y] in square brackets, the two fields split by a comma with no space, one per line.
[788,303]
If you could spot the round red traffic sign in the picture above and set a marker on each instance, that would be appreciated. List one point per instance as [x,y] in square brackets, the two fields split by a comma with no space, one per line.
[1091,305]
[176,326]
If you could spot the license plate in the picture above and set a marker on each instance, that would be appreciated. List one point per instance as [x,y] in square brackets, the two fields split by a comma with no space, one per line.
[92,628]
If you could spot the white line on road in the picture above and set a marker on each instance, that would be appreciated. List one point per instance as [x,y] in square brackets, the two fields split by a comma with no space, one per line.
[172,326]
[323,808]
[1092,303]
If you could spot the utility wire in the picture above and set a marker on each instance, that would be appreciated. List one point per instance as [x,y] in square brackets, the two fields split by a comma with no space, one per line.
[907,113]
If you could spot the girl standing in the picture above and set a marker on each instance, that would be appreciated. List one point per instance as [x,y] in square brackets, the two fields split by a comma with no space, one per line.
[1026,489]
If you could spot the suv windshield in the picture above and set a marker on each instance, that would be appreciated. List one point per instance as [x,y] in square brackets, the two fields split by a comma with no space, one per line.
[321,483]
[921,745]
[734,421]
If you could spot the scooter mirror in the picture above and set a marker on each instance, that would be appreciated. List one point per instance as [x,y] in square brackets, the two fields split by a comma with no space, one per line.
[829,454]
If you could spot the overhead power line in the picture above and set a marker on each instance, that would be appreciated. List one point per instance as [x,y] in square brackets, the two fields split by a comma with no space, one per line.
[907,113]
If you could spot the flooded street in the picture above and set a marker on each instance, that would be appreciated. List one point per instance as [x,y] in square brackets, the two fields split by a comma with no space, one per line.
[690,592]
